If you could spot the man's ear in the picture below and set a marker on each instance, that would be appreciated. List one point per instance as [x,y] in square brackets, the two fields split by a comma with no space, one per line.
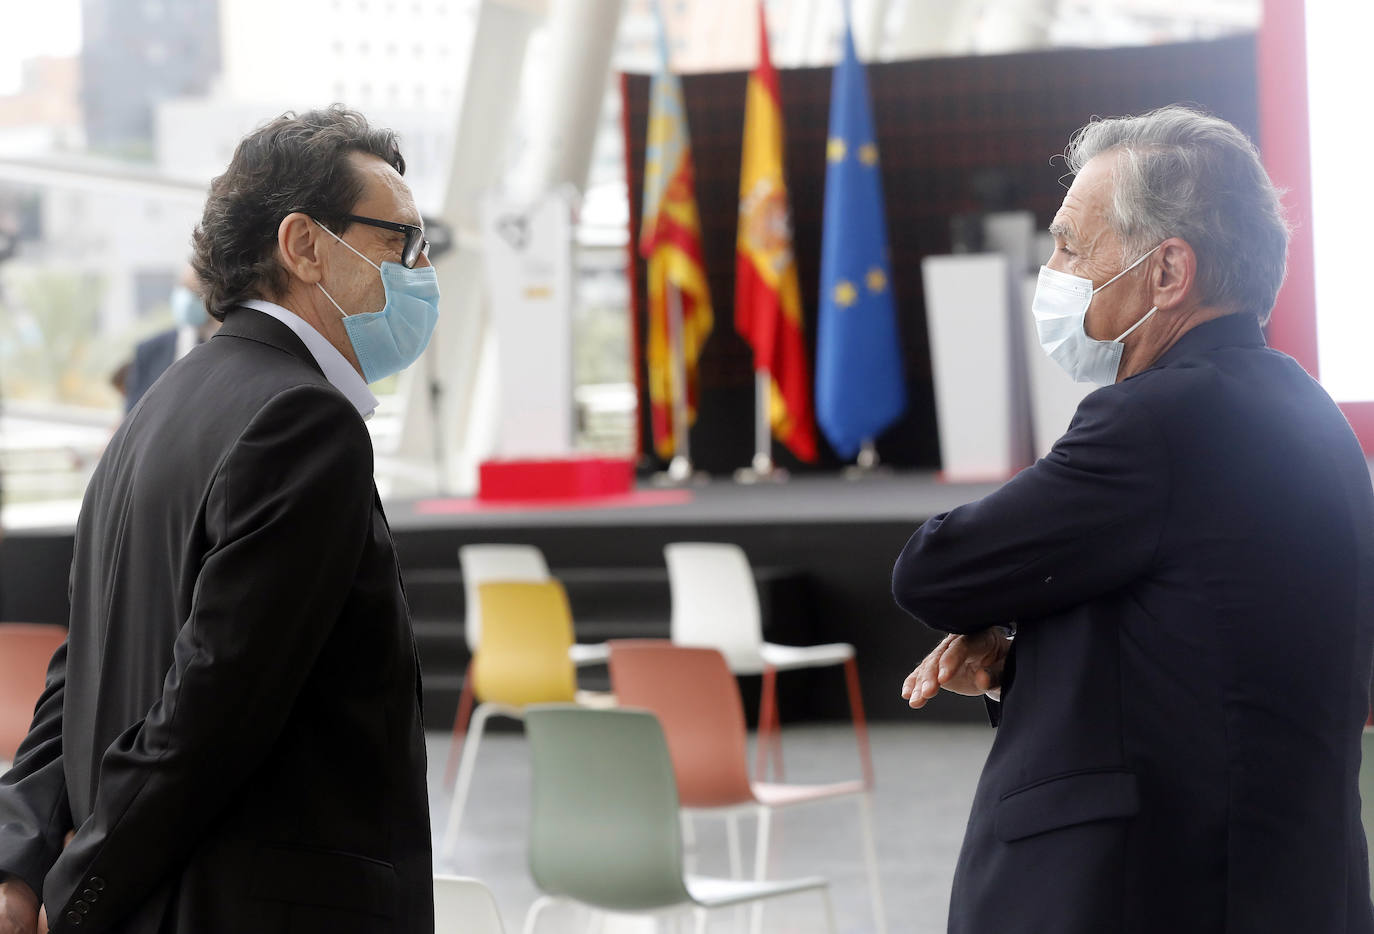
[297,243]
[1173,275]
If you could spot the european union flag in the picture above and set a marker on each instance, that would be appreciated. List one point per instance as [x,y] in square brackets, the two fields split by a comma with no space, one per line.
[860,387]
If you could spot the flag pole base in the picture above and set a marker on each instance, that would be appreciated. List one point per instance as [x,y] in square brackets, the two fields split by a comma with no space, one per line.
[867,464]
[680,472]
[762,470]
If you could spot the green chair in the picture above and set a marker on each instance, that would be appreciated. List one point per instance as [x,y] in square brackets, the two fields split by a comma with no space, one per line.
[605,829]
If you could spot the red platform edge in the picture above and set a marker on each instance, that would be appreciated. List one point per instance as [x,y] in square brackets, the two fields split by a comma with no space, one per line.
[570,478]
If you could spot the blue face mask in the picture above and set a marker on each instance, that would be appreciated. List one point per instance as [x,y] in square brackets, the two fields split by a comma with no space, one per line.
[187,307]
[390,340]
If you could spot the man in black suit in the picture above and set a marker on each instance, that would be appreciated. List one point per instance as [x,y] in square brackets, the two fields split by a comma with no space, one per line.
[233,728]
[1172,614]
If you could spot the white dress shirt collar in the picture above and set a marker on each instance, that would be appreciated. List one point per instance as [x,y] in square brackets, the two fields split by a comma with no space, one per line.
[186,340]
[335,365]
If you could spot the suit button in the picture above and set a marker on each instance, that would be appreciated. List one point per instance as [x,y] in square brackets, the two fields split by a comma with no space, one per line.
[96,883]
[90,895]
[74,919]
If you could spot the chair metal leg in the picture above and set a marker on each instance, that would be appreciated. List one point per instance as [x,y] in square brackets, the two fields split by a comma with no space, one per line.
[871,858]
[856,712]
[689,843]
[732,835]
[532,916]
[701,920]
[761,864]
[736,860]
[768,724]
[460,725]
[830,924]
[464,785]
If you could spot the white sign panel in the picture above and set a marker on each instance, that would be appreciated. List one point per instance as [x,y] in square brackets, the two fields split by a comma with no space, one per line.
[976,390]
[528,253]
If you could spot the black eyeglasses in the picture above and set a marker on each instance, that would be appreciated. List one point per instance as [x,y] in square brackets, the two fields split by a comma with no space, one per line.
[415,246]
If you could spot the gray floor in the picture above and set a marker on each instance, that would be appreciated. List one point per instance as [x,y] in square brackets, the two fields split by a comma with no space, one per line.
[925,777]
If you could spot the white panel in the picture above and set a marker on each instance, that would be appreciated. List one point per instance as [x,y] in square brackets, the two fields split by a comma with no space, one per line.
[1012,233]
[966,315]
[529,275]
[1054,394]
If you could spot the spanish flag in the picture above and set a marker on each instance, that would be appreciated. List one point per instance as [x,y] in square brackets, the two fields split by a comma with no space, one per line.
[767,296]
[670,239]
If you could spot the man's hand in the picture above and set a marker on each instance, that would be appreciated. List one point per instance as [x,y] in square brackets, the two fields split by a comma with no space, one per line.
[18,908]
[970,665]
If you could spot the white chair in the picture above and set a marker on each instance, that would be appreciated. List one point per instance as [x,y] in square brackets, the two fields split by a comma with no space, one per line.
[716,605]
[486,563]
[464,906]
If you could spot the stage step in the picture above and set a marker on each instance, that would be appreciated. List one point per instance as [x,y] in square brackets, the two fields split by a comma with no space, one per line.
[607,593]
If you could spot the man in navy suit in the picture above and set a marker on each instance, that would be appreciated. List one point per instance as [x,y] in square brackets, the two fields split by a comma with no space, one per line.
[1171,614]
[153,356]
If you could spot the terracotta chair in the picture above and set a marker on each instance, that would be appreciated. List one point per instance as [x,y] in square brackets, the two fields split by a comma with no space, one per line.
[716,604]
[696,698]
[25,651]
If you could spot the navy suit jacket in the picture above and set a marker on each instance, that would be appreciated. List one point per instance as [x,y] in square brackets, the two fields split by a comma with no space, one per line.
[152,357]
[1191,574]
[233,727]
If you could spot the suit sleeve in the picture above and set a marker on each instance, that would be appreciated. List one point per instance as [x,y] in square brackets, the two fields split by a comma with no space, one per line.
[34,813]
[286,519]
[1082,521]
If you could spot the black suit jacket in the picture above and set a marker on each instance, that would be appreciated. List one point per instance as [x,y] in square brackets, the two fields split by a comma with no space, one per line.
[233,726]
[1191,571]
[152,357]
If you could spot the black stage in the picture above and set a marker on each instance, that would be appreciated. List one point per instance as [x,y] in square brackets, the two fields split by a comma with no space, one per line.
[822,551]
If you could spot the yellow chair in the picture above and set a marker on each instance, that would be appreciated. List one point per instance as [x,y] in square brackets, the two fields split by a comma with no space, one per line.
[522,659]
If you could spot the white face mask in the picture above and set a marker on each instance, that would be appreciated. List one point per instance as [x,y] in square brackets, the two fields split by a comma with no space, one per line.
[1060,307]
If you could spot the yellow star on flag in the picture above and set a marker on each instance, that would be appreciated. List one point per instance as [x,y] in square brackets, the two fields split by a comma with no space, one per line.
[835,149]
[868,154]
[876,280]
[846,294]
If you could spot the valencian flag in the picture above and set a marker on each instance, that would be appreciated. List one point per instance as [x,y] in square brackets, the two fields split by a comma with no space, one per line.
[767,296]
[860,388]
[670,240]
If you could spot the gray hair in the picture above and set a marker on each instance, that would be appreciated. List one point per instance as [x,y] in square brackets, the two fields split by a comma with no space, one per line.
[1182,173]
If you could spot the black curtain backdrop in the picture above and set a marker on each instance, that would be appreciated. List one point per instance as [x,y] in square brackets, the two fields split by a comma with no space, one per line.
[956,136]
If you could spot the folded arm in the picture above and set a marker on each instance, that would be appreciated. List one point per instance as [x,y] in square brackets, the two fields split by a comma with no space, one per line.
[1082,521]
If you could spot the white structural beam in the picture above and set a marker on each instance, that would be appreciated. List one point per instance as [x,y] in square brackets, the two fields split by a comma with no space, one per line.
[570,92]
[441,387]
[1015,26]
[452,406]
[925,28]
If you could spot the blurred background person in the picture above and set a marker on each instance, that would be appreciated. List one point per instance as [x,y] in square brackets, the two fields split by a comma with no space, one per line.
[153,356]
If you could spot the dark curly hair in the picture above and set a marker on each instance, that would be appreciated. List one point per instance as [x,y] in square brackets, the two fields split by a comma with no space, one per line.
[294,163]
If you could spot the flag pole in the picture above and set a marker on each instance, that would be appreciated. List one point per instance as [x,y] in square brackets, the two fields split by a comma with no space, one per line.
[680,468]
[762,469]
[763,430]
